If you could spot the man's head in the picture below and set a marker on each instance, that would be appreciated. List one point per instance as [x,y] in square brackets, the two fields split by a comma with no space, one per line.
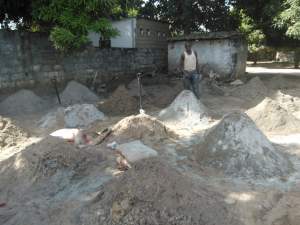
[188,46]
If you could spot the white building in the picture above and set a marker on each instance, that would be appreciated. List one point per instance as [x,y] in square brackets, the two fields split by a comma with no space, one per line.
[136,33]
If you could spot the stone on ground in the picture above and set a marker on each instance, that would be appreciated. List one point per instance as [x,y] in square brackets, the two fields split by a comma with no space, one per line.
[23,101]
[237,148]
[185,110]
[76,93]
[136,150]
[271,117]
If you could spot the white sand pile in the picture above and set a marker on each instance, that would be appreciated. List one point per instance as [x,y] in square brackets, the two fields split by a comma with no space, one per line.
[77,93]
[141,127]
[75,116]
[10,134]
[253,89]
[154,193]
[237,148]
[185,111]
[288,100]
[23,101]
[119,103]
[271,117]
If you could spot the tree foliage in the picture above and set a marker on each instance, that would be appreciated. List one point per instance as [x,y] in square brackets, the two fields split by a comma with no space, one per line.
[289,18]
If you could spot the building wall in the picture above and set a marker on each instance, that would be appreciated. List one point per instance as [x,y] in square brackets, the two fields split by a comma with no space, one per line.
[151,34]
[28,59]
[225,56]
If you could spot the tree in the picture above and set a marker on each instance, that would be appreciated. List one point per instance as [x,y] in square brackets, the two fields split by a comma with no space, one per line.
[186,16]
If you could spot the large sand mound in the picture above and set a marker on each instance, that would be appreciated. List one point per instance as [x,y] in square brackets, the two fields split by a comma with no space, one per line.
[186,110]
[119,103]
[77,93]
[154,193]
[288,100]
[253,89]
[23,101]
[271,117]
[237,148]
[10,134]
[141,127]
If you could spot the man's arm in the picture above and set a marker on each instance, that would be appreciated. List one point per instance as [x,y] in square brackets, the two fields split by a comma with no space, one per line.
[197,63]
[181,63]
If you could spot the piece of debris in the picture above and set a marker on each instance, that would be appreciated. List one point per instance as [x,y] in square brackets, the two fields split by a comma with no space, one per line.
[136,150]
[122,162]
[113,145]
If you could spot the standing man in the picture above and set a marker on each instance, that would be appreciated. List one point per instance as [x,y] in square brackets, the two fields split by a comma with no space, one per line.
[190,68]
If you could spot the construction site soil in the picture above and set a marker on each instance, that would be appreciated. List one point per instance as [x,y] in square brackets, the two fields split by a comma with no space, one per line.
[207,170]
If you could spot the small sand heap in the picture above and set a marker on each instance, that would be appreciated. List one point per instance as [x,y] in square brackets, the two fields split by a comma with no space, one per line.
[75,116]
[271,117]
[23,101]
[119,103]
[154,193]
[237,148]
[253,89]
[186,110]
[287,100]
[10,134]
[77,93]
[141,127]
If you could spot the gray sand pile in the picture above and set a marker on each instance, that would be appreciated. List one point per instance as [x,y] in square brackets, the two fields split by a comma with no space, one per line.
[76,93]
[141,127]
[186,110]
[10,134]
[253,89]
[75,116]
[154,193]
[23,101]
[269,116]
[119,103]
[48,176]
[237,148]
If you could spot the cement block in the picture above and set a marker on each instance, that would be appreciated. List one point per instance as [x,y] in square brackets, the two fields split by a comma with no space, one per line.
[136,150]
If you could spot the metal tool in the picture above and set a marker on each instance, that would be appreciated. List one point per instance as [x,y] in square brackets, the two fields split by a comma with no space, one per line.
[139,76]
[54,82]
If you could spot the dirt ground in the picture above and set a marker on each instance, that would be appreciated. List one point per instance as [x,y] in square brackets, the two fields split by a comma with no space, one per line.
[46,180]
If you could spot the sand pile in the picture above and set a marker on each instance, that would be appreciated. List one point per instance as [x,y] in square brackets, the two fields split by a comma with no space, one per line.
[280,82]
[10,134]
[133,89]
[253,89]
[271,117]
[23,101]
[288,101]
[75,116]
[237,148]
[186,110]
[77,93]
[119,103]
[141,127]
[154,193]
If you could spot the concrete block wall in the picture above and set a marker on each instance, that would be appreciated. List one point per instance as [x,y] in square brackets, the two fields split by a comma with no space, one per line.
[28,59]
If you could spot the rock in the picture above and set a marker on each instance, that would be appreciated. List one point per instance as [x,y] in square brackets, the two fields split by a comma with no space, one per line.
[136,150]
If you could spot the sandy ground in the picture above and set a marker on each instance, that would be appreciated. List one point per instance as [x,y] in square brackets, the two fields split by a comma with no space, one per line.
[71,186]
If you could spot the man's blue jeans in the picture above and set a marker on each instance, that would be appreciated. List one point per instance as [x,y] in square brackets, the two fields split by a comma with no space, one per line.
[191,81]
